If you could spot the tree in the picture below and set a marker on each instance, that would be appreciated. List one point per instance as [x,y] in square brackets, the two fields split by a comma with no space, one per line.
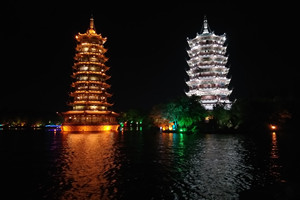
[157,115]
[184,112]
[131,115]
[222,117]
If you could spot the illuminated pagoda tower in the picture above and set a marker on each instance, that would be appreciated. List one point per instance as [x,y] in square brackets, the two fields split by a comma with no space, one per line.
[90,106]
[207,69]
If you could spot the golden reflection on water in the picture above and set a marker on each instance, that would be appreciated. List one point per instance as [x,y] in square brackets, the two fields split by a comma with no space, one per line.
[275,166]
[87,158]
[167,139]
[274,147]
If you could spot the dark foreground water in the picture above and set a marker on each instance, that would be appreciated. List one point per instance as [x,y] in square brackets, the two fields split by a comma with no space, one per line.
[136,165]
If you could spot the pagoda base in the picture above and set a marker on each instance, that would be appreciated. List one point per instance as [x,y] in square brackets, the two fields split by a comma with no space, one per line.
[88,128]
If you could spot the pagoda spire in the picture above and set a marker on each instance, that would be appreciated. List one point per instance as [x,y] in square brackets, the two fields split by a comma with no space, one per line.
[91,30]
[205,26]
[92,25]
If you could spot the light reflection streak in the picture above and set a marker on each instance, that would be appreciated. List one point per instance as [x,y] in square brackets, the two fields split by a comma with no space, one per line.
[274,166]
[219,168]
[87,157]
[216,166]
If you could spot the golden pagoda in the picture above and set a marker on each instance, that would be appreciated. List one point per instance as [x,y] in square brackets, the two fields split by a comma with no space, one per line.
[90,107]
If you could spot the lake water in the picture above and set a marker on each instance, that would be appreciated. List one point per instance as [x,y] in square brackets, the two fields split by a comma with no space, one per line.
[140,165]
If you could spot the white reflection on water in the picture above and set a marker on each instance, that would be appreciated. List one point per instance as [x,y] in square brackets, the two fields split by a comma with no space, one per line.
[219,169]
[216,168]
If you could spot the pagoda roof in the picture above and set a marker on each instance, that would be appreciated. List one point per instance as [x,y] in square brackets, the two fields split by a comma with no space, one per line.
[210,91]
[90,53]
[100,48]
[207,34]
[86,73]
[103,84]
[90,34]
[90,92]
[90,63]
[85,54]
[91,103]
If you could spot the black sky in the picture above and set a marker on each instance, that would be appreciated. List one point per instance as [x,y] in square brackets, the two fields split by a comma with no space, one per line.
[147,46]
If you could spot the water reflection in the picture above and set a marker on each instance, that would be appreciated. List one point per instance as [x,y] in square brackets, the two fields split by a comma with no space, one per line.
[86,158]
[214,167]
[274,166]
[136,165]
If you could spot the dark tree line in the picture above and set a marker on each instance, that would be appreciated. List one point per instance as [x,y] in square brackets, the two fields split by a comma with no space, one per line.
[246,115]
[28,118]
[186,113]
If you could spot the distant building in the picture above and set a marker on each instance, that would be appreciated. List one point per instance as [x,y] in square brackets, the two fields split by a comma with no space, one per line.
[207,69]
[90,105]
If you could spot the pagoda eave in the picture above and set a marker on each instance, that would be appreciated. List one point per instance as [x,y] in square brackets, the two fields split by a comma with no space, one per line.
[90,112]
[90,92]
[89,72]
[81,37]
[99,103]
[83,54]
[101,84]
[89,63]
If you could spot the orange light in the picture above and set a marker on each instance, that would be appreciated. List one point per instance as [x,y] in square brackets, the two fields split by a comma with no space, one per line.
[88,128]
[107,128]
[273,127]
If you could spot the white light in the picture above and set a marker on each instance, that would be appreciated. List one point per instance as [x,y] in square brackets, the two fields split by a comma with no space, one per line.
[210,57]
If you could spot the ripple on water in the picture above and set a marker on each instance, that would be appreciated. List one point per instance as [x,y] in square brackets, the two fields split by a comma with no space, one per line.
[147,166]
[216,170]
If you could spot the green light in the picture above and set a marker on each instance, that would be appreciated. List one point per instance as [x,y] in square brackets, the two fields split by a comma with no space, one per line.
[182,129]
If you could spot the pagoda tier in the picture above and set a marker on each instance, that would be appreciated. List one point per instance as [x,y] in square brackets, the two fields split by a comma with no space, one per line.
[89,96]
[89,93]
[85,84]
[207,69]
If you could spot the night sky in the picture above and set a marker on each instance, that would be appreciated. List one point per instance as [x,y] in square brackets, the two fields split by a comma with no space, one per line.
[147,46]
